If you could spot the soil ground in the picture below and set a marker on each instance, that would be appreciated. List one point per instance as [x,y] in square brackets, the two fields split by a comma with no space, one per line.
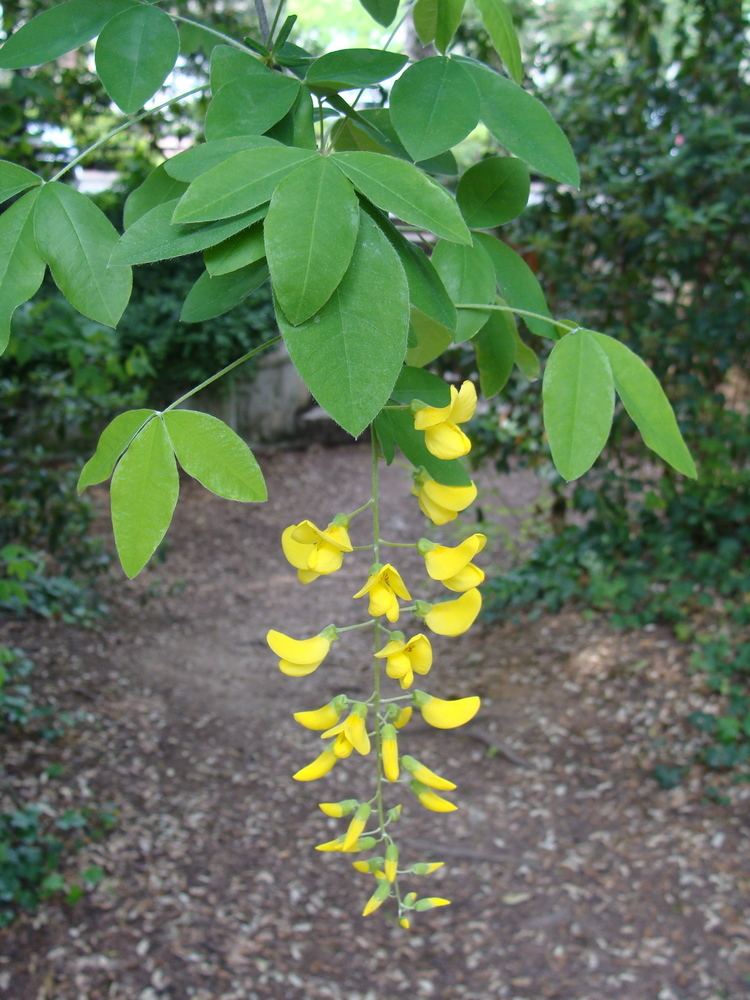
[573,875]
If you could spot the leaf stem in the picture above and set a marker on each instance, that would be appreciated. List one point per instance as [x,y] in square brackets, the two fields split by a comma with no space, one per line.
[213,31]
[121,128]
[224,371]
[398,545]
[387,42]
[352,628]
[260,10]
[507,309]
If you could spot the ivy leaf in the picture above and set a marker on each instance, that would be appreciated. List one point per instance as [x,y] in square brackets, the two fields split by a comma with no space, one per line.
[113,441]
[135,53]
[214,296]
[349,354]
[56,31]
[495,347]
[400,427]
[349,68]
[578,395]
[647,405]
[191,163]
[382,11]
[434,105]
[250,105]
[155,190]
[212,453]
[144,492]
[401,188]
[242,182]
[238,251]
[76,239]
[469,277]
[155,237]
[21,267]
[493,191]
[14,179]
[498,21]
[523,125]
[310,232]
[518,284]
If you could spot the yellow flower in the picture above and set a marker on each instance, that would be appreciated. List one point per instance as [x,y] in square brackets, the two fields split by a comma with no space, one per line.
[391,862]
[430,903]
[317,768]
[300,657]
[426,776]
[389,743]
[431,800]
[351,734]
[373,866]
[444,714]
[426,867]
[405,658]
[441,503]
[384,586]
[356,827]
[363,844]
[452,565]
[377,899]
[338,809]
[404,922]
[443,437]
[451,617]
[323,718]
[313,552]
[403,717]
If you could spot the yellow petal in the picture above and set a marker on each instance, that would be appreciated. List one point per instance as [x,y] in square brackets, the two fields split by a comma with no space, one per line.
[434,512]
[393,579]
[297,669]
[407,680]
[428,416]
[319,718]
[352,834]
[454,617]
[469,577]
[342,748]
[430,778]
[355,729]
[390,754]
[447,441]
[465,403]
[431,800]
[445,561]
[317,768]
[391,647]
[305,652]
[419,651]
[444,714]
[306,575]
[398,665]
[297,553]
[325,559]
[403,717]
[383,602]
[337,534]
[452,497]
[331,845]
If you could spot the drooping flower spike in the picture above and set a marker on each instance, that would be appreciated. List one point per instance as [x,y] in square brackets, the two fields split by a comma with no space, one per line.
[376,726]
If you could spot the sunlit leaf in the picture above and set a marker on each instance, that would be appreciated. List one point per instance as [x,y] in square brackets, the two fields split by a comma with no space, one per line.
[155,190]
[14,179]
[135,53]
[193,162]
[113,441]
[468,275]
[348,68]
[238,251]
[498,21]
[250,105]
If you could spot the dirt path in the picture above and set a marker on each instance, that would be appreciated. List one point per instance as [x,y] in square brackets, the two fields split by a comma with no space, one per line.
[573,875]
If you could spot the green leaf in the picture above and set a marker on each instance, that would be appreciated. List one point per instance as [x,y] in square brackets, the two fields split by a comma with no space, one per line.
[250,105]
[498,21]
[434,105]
[14,179]
[135,53]
[518,284]
[431,338]
[21,267]
[242,182]
[212,453]
[113,441]
[424,16]
[155,190]
[238,251]
[56,31]
[144,492]
[401,188]
[191,163]
[469,277]
[578,394]
[297,127]
[210,297]
[523,125]
[448,19]
[382,11]
[350,353]
[228,63]
[310,232]
[647,405]
[416,383]
[76,239]
[495,347]
[400,426]
[155,237]
[526,360]
[493,191]
[349,68]
[379,119]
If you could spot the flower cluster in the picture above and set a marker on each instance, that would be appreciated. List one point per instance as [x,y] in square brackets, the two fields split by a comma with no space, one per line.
[374,726]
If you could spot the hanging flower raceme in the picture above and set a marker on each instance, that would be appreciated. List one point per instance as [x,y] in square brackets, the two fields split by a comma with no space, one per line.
[443,437]
[377,726]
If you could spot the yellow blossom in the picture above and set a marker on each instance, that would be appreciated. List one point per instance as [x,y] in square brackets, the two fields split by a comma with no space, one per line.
[404,922]
[389,744]
[300,657]
[426,867]
[430,799]
[338,809]
[452,564]
[403,717]
[377,899]
[404,657]
[431,903]
[443,714]
[323,718]
[426,776]
[356,827]
[351,734]
[314,552]
[441,503]
[391,862]
[452,617]
[443,437]
[384,587]
[317,768]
